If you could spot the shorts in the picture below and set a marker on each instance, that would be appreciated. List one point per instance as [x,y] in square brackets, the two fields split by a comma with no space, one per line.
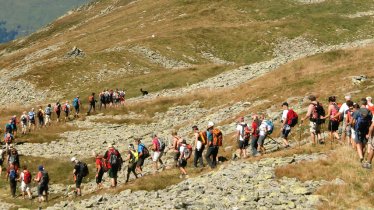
[285,133]
[157,156]
[333,125]
[261,140]
[131,167]
[32,121]
[1,162]
[315,128]
[140,162]
[182,163]
[78,181]
[14,127]
[76,108]
[360,138]
[25,187]
[177,155]
[241,144]
[112,172]
[42,189]
[371,143]
[348,131]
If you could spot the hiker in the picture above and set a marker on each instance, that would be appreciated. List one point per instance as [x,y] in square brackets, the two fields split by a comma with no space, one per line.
[334,118]
[40,115]
[31,120]
[13,123]
[25,179]
[42,178]
[102,99]
[185,153]
[175,146]
[243,135]
[92,103]
[214,141]
[143,154]
[2,157]
[370,136]
[100,170]
[12,177]
[24,122]
[122,95]
[48,113]
[264,129]
[348,120]
[8,139]
[114,160]
[76,104]
[346,128]
[289,120]
[132,157]
[9,127]
[354,109]
[199,146]
[158,148]
[315,113]
[362,120]
[66,109]
[370,105]
[79,172]
[57,109]
[255,134]
[13,158]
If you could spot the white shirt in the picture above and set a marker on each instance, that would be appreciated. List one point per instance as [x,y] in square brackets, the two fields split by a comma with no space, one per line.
[240,128]
[22,178]
[343,109]
[263,128]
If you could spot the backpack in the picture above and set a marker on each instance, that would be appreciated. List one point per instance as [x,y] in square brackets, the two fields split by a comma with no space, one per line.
[90,99]
[12,175]
[31,115]
[187,151]
[12,159]
[48,110]
[104,164]
[203,137]
[317,112]
[57,108]
[8,128]
[65,108]
[335,111]
[24,119]
[161,145]
[292,117]
[134,157]
[75,102]
[83,169]
[113,158]
[40,114]
[363,121]
[14,121]
[45,178]
[217,137]
[145,151]
[245,131]
[26,177]
[270,126]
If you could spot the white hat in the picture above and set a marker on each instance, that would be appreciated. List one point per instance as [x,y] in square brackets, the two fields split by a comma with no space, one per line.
[210,124]
[73,159]
[347,97]
[368,98]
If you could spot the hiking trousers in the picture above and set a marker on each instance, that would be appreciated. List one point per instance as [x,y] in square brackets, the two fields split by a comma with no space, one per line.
[254,145]
[92,106]
[198,156]
[211,156]
[13,187]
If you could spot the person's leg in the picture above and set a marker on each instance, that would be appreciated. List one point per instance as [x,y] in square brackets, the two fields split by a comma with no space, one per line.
[195,158]
[254,145]
[214,155]
[208,156]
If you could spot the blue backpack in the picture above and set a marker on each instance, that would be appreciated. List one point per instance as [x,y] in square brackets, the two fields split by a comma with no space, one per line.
[76,102]
[12,175]
[270,126]
[363,121]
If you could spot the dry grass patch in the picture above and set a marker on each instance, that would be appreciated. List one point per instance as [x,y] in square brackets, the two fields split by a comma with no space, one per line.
[341,163]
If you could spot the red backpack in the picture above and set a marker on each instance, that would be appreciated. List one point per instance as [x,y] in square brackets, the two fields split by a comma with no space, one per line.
[292,118]
[26,177]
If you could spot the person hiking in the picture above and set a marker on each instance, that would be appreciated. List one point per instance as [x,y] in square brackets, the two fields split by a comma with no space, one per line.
[243,136]
[9,127]
[114,163]
[175,146]
[31,120]
[76,104]
[315,114]
[12,177]
[214,141]
[24,122]
[100,170]
[343,110]
[362,120]
[122,97]
[2,157]
[370,149]
[40,115]
[348,123]
[143,154]
[289,119]
[8,139]
[351,121]
[255,134]
[92,104]
[66,109]
[370,105]
[57,110]
[132,157]
[13,123]
[158,151]
[334,118]
[185,153]
[13,158]
[264,129]
[42,178]
[79,172]
[199,146]
[25,179]
[102,100]
[48,113]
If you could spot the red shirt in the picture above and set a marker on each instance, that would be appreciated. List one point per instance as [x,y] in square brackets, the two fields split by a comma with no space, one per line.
[255,129]
[156,144]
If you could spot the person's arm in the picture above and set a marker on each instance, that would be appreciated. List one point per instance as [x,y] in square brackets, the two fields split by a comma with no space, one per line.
[128,157]
[308,113]
[329,112]
[371,130]
[196,139]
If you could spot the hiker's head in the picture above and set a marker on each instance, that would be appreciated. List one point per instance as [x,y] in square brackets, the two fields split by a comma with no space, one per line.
[241,119]
[110,146]
[153,135]
[49,105]
[368,99]
[8,135]
[10,121]
[74,160]
[210,125]
[40,107]
[93,94]
[24,167]
[14,151]
[77,96]
[11,166]
[137,141]
[174,133]
[32,109]
[312,98]
[255,117]
[332,99]
[67,102]
[184,141]
[24,112]
[131,147]
[356,106]
[285,105]
[347,98]
[364,102]
[40,168]
[195,128]
[350,104]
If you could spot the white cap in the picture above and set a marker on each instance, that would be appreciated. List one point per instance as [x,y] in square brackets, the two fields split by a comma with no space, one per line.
[73,159]
[347,97]
[210,124]
[368,98]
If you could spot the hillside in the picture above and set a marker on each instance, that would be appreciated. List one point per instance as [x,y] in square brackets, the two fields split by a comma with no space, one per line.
[201,61]
[21,18]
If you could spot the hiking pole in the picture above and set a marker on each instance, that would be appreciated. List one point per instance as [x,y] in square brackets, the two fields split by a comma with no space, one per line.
[300,128]
[273,140]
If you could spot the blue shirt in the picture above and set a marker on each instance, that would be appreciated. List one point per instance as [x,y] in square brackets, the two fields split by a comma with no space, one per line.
[140,148]
[209,136]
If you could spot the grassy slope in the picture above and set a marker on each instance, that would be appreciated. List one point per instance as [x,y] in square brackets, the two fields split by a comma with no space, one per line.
[239,31]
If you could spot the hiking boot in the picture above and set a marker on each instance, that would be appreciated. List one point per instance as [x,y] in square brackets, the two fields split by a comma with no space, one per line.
[181,176]
[186,176]
[366,165]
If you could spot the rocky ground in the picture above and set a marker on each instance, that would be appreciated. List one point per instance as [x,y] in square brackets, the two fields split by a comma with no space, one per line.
[237,185]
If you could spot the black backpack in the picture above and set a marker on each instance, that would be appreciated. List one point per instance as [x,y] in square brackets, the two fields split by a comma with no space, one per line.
[45,179]
[145,151]
[83,169]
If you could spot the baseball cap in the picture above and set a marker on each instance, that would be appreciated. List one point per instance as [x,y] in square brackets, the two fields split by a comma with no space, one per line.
[40,168]
[73,159]
[210,124]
